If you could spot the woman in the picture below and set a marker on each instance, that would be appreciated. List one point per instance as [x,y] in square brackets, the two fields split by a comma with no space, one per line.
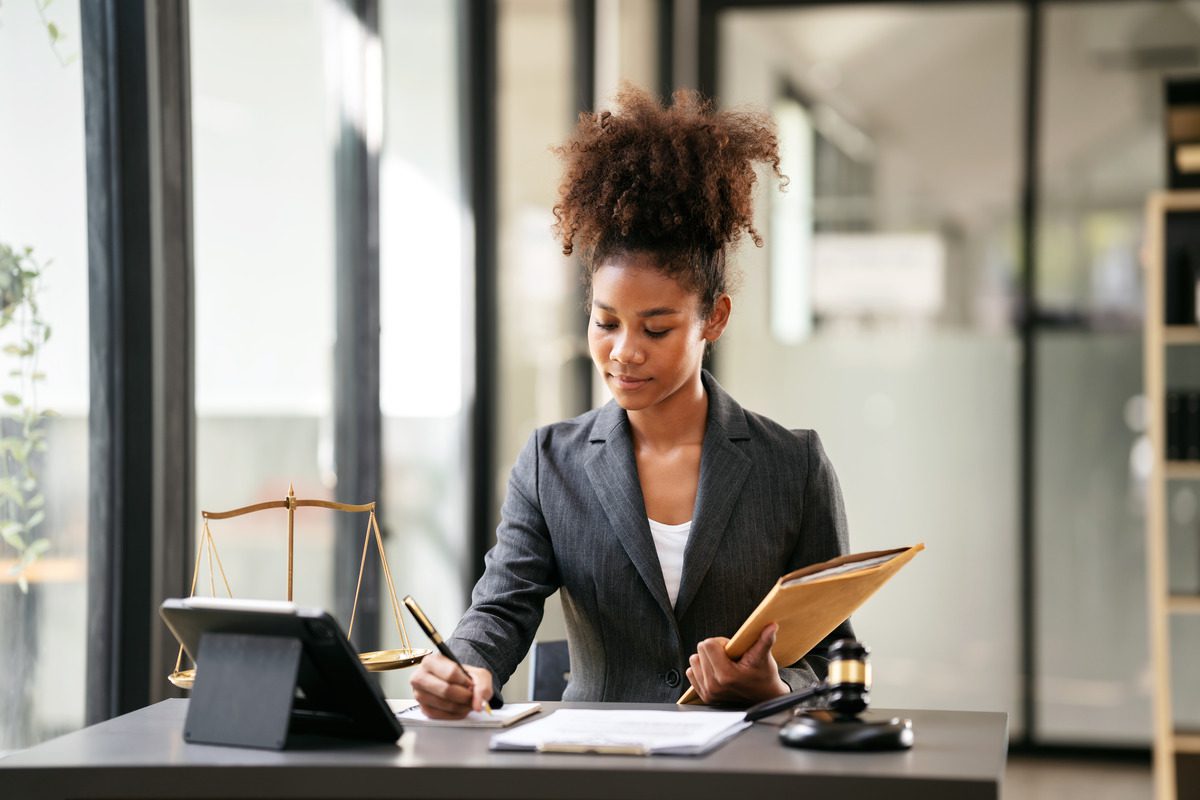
[666,515]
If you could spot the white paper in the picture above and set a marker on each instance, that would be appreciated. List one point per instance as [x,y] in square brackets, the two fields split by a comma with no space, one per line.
[852,566]
[666,732]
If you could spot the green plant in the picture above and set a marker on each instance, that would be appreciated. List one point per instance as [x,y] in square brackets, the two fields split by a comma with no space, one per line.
[54,33]
[22,425]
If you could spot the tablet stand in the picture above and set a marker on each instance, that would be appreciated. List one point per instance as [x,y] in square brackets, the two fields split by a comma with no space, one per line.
[243,696]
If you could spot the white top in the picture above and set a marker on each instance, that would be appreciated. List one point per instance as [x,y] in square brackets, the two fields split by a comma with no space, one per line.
[670,541]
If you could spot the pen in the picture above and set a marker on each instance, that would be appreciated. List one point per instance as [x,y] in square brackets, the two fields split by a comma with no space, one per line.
[438,642]
[783,702]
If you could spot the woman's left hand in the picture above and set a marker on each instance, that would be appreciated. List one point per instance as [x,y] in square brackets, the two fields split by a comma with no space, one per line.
[749,679]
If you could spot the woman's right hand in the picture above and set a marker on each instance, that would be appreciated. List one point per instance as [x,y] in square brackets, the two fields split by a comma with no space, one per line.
[444,692]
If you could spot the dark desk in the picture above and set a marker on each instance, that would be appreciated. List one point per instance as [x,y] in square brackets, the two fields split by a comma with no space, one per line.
[140,755]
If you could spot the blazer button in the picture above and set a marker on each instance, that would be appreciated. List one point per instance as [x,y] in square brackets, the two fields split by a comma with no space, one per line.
[673,678]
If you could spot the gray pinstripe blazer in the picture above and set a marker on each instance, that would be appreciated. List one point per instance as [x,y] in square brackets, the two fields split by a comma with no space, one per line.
[574,519]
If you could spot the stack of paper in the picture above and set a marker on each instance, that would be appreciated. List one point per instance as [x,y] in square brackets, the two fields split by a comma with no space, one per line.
[625,732]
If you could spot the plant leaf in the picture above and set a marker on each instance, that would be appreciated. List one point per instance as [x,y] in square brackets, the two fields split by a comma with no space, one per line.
[8,489]
[38,547]
[11,532]
[12,399]
[37,501]
[35,520]
[23,582]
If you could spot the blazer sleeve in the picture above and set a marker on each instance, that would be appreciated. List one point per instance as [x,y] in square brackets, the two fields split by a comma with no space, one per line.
[823,535]
[520,573]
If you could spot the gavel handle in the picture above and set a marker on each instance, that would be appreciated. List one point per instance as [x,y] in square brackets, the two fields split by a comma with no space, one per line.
[783,702]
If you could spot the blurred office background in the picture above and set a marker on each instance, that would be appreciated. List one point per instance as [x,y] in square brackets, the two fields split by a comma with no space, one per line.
[333,269]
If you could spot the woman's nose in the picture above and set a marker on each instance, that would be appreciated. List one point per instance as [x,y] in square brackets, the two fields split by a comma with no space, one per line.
[625,351]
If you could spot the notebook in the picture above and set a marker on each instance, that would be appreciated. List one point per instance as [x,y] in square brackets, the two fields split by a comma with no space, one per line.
[409,713]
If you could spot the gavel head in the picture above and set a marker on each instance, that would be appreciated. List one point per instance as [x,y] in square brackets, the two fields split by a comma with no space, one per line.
[849,678]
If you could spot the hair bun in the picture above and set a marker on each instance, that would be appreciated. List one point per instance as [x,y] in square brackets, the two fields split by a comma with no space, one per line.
[645,177]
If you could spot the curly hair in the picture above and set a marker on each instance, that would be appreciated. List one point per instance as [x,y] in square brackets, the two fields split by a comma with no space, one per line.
[675,181]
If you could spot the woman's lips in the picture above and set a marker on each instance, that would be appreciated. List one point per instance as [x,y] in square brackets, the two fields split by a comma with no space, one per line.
[629,383]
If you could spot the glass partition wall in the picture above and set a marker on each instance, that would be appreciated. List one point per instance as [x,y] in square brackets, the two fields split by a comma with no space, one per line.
[888,299]
[878,313]
[1101,152]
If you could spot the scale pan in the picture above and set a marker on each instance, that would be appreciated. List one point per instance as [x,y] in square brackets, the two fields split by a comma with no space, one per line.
[383,660]
[183,678]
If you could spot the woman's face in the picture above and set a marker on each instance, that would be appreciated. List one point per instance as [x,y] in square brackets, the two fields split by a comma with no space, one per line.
[646,334]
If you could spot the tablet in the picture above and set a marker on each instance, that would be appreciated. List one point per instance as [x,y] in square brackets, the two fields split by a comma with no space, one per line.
[333,694]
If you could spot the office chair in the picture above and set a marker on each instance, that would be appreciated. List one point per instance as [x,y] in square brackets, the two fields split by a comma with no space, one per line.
[549,670]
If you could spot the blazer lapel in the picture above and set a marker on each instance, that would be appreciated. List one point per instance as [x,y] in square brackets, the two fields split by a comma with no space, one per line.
[613,472]
[723,471]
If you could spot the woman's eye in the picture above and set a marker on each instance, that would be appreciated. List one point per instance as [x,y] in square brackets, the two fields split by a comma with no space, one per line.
[605,326]
[657,334]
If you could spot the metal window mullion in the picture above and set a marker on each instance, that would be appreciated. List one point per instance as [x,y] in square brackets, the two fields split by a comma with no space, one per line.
[120,425]
[358,422]
[173,504]
[1028,384]
[478,20]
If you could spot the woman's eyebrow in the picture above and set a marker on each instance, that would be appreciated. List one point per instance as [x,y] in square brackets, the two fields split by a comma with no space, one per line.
[650,312]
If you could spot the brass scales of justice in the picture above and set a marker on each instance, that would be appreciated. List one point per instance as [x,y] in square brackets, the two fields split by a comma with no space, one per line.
[376,661]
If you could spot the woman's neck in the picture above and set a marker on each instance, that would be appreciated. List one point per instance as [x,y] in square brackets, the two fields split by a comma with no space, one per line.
[678,420]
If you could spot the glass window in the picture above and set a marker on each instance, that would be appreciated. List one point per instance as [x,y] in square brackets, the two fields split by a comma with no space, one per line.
[426,324]
[894,249]
[44,369]
[264,288]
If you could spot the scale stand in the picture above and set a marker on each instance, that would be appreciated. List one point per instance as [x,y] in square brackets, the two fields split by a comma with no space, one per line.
[377,661]
[243,696]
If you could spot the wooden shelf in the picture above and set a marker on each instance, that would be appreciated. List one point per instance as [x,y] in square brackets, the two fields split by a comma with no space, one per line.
[1181,334]
[1184,603]
[1187,742]
[1182,470]
[1158,338]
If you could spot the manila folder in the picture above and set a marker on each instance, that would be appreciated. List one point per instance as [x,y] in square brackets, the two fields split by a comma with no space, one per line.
[812,601]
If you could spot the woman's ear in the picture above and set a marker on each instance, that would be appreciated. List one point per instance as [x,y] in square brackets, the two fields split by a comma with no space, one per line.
[714,326]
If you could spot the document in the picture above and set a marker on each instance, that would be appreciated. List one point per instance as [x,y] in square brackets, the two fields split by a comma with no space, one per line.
[621,732]
[810,602]
[409,713]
